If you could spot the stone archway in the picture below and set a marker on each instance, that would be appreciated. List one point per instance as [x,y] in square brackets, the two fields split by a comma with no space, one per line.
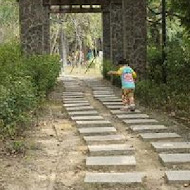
[124,26]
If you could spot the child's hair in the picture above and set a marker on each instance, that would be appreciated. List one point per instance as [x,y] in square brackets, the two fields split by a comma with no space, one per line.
[123,62]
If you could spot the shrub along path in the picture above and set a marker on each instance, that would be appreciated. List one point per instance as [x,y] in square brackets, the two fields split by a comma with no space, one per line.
[97,146]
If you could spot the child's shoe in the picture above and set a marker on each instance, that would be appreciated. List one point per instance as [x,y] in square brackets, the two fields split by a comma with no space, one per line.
[132,107]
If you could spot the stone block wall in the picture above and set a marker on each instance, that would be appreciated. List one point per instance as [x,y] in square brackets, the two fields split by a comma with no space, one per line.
[34,27]
[134,16]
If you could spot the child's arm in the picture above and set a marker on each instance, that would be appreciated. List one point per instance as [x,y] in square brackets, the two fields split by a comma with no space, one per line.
[134,75]
[112,73]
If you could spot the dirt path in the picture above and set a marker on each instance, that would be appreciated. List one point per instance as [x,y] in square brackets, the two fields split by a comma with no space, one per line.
[56,156]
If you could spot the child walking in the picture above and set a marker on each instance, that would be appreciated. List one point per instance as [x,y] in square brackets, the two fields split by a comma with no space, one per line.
[128,77]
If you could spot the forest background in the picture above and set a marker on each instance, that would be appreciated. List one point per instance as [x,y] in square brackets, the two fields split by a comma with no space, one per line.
[167,82]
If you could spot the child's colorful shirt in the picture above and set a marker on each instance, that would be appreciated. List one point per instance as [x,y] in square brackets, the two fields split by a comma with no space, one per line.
[127,75]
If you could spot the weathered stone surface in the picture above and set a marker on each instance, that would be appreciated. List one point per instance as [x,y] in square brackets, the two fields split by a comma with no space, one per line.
[78,113]
[143,128]
[114,106]
[175,158]
[113,103]
[104,138]
[104,95]
[124,112]
[75,101]
[97,130]
[112,99]
[106,34]
[135,34]
[73,96]
[83,118]
[111,161]
[103,92]
[34,27]
[80,108]
[126,178]
[131,116]
[111,148]
[181,176]
[97,122]
[174,146]
[134,121]
[73,93]
[76,104]
[159,136]
[116,32]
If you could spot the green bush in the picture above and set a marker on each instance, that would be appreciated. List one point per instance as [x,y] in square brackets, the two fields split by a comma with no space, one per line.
[24,82]
[108,66]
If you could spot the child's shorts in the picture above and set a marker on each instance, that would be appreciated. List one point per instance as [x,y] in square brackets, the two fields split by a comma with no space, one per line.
[127,93]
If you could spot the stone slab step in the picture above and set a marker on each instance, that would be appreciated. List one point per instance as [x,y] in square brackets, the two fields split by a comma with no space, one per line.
[132,116]
[118,178]
[73,96]
[75,101]
[103,92]
[104,138]
[76,104]
[175,158]
[111,161]
[84,118]
[73,93]
[113,103]
[148,128]
[115,99]
[159,136]
[104,95]
[116,107]
[80,113]
[111,149]
[123,112]
[97,130]
[97,123]
[171,146]
[82,108]
[179,177]
[135,121]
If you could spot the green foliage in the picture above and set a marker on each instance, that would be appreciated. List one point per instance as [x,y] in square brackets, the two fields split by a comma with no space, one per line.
[108,66]
[182,8]
[43,70]
[23,84]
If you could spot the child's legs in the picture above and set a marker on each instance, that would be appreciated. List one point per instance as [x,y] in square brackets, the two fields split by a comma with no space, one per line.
[131,97]
[125,97]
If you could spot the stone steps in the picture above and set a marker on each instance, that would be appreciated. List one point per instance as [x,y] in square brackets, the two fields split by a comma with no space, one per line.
[111,149]
[83,113]
[104,139]
[159,136]
[177,147]
[148,128]
[93,123]
[114,178]
[97,130]
[108,150]
[168,159]
[179,177]
[106,162]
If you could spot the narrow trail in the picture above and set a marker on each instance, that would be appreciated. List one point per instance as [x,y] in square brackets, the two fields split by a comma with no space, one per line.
[85,142]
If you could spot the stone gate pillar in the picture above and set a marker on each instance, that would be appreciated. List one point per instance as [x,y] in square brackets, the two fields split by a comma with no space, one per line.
[34,27]
[106,34]
[116,32]
[135,33]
